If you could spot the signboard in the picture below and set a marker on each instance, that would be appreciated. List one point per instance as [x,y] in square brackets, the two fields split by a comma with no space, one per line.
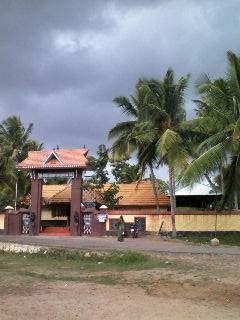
[102,217]
[49,175]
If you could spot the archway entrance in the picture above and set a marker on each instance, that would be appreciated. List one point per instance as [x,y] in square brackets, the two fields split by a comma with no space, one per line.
[55,218]
[46,164]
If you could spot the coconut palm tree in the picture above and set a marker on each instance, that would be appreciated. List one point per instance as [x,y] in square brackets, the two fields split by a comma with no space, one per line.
[125,134]
[153,130]
[218,117]
[15,143]
[162,132]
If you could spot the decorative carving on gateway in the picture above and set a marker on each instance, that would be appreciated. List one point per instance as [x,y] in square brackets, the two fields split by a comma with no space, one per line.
[87,224]
[25,223]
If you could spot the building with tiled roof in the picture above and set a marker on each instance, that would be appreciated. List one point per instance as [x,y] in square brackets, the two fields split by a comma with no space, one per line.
[137,201]
[131,195]
[139,195]
[55,159]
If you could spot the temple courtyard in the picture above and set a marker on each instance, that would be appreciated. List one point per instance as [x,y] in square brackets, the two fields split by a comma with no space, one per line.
[99,278]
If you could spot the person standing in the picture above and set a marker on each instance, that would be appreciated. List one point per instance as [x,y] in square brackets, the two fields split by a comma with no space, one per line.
[121,226]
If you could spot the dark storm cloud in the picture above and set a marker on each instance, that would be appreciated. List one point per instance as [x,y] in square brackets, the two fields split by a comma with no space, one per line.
[62,62]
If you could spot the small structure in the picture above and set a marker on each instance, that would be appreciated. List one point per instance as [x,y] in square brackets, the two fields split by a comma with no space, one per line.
[55,164]
[199,197]
[137,203]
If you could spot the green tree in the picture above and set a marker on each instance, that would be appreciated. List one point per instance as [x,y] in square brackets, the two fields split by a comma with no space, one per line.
[109,196]
[161,130]
[218,117]
[163,186]
[15,142]
[124,172]
[125,134]
[98,166]
[157,110]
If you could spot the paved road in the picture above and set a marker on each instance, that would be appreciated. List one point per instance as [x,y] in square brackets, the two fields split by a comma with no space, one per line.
[155,244]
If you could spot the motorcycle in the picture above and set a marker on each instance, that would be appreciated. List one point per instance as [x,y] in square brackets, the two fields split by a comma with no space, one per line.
[134,231]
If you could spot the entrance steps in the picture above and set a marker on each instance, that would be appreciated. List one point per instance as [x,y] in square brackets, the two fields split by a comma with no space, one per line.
[56,231]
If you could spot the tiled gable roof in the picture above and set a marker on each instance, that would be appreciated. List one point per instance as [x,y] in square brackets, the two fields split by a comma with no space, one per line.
[50,190]
[62,194]
[132,194]
[139,194]
[65,158]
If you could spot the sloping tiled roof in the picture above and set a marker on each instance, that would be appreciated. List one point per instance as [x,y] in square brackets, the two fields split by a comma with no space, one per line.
[139,194]
[133,195]
[45,159]
[62,194]
[49,190]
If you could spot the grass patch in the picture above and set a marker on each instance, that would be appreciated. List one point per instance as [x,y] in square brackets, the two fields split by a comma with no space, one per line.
[20,270]
[232,239]
[117,260]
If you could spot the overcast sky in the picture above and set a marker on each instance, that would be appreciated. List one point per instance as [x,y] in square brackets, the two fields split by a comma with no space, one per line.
[63,61]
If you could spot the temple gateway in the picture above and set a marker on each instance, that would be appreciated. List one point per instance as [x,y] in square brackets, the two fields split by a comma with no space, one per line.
[48,164]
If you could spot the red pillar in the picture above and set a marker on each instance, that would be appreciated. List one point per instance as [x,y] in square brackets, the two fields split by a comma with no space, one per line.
[36,203]
[76,199]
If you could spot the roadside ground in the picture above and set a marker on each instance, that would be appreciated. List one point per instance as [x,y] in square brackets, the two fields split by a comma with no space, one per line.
[119,284]
[98,278]
[148,243]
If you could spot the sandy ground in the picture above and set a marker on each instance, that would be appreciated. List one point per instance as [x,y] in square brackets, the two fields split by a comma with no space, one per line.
[91,301]
[208,290]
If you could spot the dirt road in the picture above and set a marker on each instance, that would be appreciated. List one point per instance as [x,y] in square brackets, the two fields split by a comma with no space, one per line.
[154,244]
[66,301]
[179,287]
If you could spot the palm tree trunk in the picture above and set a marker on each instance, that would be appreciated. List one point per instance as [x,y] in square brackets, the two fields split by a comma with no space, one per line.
[174,193]
[222,181]
[236,200]
[172,200]
[212,185]
[155,189]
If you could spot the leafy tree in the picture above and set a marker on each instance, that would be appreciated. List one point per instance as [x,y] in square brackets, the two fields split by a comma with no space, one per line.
[125,134]
[98,165]
[100,178]
[161,129]
[218,116]
[15,142]
[156,110]
[124,172]
[109,196]
[163,186]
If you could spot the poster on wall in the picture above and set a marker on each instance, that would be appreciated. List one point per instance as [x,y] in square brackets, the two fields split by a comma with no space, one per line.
[102,217]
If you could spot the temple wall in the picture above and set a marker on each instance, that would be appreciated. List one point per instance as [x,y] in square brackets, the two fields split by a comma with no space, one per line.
[184,222]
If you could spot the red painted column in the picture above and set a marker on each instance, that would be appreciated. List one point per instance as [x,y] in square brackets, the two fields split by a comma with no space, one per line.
[36,203]
[76,199]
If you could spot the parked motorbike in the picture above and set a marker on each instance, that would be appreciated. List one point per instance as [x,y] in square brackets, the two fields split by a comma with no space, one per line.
[134,231]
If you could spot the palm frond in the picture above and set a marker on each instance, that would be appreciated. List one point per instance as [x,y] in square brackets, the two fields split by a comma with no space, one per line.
[120,128]
[209,161]
[125,105]
[168,140]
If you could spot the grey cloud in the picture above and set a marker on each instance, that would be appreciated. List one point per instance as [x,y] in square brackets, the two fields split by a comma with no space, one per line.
[62,62]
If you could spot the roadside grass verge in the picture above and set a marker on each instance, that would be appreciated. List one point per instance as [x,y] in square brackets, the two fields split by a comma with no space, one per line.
[21,269]
[90,261]
[231,239]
